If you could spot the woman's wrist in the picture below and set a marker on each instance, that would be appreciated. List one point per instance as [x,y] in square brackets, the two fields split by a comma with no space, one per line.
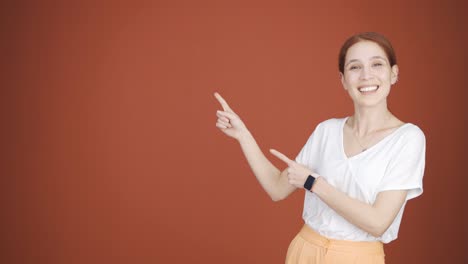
[311,181]
[318,185]
[244,136]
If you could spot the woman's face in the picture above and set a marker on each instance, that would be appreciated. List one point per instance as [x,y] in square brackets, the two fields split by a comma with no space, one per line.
[367,74]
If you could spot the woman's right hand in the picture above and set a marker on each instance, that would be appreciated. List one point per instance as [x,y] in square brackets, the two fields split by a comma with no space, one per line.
[228,121]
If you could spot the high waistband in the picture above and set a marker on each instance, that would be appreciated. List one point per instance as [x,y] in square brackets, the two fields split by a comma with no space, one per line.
[364,247]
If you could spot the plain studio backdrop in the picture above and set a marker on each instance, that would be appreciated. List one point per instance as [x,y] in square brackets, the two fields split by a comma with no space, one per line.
[110,150]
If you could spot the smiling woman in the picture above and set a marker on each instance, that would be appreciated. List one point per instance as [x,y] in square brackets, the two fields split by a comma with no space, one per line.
[358,172]
[368,72]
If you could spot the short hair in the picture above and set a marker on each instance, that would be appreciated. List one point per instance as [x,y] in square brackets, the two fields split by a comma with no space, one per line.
[375,37]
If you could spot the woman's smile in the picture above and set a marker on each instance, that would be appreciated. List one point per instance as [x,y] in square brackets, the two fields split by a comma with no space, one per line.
[368,89]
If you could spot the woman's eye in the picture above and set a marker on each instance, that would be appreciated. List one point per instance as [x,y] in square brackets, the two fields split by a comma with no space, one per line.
[354,67]
[377,64]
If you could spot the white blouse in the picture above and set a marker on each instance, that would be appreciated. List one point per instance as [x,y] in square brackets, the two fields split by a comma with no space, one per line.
[394,163]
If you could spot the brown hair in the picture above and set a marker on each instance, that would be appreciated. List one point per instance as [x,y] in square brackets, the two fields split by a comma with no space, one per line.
[377,38]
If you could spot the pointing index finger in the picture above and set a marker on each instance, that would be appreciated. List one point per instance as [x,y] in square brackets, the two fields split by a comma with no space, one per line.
[282,157]
[223,102]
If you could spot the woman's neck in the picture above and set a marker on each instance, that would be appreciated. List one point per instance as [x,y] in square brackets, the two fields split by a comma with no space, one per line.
[367,120]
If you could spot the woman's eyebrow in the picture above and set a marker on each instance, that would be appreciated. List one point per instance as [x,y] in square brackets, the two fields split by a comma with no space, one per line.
[374,57]
[351,61]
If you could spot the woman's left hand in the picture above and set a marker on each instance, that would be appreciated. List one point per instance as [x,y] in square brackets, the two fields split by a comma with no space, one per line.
[297,173]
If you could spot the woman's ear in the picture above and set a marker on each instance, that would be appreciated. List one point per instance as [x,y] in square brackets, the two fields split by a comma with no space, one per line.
[395,71]
[342,80]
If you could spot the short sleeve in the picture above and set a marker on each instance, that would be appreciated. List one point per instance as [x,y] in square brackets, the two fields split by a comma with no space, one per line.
[405,171]
[310,151]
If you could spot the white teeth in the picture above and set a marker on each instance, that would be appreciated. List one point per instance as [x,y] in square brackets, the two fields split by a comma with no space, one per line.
[368,89]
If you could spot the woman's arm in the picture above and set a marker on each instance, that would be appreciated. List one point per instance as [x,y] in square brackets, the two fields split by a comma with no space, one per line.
[274,182]
[373,218]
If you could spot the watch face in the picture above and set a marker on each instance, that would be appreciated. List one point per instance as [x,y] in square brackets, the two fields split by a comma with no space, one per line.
[309,182]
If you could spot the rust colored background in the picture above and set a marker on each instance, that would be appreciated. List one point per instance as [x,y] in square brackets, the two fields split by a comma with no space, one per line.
[110,150]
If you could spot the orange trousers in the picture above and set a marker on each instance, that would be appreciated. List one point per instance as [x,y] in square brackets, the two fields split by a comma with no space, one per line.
[309,247]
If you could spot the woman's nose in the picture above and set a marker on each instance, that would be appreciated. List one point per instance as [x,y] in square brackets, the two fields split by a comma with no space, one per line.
[365,73]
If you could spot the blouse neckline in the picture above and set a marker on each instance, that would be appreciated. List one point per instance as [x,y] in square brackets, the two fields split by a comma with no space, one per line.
[369,149]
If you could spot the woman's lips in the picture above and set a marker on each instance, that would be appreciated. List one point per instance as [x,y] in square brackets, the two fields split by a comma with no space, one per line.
[368,89]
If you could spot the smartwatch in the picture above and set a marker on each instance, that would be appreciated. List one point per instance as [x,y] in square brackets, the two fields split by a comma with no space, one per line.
[309,182]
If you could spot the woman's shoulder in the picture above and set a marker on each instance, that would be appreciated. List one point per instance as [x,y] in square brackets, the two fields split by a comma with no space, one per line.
[407,127]
[410,134]
[411,129]
[333,122]
[332,125]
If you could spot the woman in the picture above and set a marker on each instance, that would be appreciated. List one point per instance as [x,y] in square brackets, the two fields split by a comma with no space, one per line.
[358,172]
